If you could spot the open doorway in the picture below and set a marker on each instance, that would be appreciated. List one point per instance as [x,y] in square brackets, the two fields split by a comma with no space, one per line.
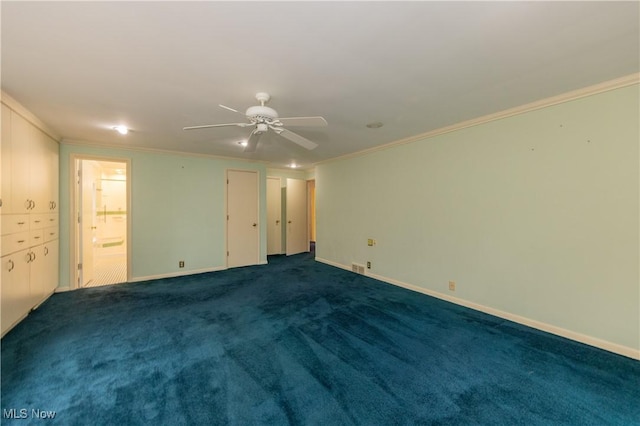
[101,231]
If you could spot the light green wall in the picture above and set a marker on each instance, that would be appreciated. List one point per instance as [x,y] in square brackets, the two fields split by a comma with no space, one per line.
[534,215]
[177,212]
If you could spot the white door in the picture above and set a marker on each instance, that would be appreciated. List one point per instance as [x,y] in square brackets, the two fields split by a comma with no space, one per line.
[274,216]
[297,239]
[86,225]
[243,230]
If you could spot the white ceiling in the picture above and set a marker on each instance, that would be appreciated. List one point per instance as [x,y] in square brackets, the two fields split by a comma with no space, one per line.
[83,67]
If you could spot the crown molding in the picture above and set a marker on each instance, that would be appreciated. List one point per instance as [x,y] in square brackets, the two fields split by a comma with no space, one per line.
[19,109]
[606,86]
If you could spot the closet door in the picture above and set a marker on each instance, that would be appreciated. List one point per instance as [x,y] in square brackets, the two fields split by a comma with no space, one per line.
[21,141]
[243,229]
[51,256]
[40,182]
[274,216]
[5,145]
[297,238]
[51,149]
[16,297]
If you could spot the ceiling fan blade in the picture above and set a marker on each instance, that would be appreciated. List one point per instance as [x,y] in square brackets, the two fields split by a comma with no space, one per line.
[252,143]
[304,121]
[230,109]
[206,126]
[226,107]
[296,138]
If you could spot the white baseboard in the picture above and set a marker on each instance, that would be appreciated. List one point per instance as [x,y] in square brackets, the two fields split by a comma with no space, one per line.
[549,328]
[177,274]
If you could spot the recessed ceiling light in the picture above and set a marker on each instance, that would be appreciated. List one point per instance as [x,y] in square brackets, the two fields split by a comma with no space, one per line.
[242,143]
[121,129]
[375,125]
[293,165]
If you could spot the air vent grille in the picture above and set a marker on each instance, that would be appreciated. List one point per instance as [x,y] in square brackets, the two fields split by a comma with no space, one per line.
[357,268]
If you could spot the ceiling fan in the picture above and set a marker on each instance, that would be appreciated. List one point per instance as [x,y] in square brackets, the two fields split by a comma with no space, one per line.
[263,118]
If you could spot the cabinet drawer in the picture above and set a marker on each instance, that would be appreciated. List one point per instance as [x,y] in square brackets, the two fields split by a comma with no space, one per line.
[36,237]
[51,220]
[12,223]
[50,234]
[14,242]
[39,221]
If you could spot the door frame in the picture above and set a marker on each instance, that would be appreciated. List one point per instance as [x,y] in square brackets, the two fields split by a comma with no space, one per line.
[74,254]
[226,213]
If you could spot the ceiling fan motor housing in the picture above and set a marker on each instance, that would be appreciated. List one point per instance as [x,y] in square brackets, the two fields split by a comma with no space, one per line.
[261,114]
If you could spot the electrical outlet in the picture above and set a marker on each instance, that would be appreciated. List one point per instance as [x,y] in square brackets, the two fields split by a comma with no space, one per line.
[368,265]
[181,264]
[452,285]
[371,242]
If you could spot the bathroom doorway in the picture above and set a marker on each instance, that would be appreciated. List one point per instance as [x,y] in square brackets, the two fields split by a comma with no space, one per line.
[101,208]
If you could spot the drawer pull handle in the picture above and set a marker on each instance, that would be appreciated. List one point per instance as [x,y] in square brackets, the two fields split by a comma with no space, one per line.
[21,223]
[20,241]
[11,265]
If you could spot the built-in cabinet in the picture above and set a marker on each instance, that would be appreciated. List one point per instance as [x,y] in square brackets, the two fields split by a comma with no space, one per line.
[29,217]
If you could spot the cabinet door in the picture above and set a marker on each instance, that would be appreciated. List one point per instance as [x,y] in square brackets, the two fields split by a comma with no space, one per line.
[51,253]
[37,275]
[51,156]
[16,297]
[5,154]
[21,141]
[39,176]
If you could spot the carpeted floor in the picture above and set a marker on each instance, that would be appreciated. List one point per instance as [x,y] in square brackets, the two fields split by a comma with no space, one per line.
[298,342]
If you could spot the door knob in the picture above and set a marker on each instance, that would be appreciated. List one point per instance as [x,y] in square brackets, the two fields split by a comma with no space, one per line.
[277,222]
[255,224]
[289,222]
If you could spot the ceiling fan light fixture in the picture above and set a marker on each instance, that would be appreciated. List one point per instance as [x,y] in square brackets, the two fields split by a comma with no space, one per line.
[263,118]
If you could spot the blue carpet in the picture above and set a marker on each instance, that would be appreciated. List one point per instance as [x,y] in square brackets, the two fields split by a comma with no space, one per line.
[298,342]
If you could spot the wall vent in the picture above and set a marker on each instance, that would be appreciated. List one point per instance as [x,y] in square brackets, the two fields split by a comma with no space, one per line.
[357,268]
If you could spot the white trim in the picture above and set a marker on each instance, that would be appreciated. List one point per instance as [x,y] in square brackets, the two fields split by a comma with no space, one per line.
[177,274]
[606,86]
[334,264]
[549,328]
